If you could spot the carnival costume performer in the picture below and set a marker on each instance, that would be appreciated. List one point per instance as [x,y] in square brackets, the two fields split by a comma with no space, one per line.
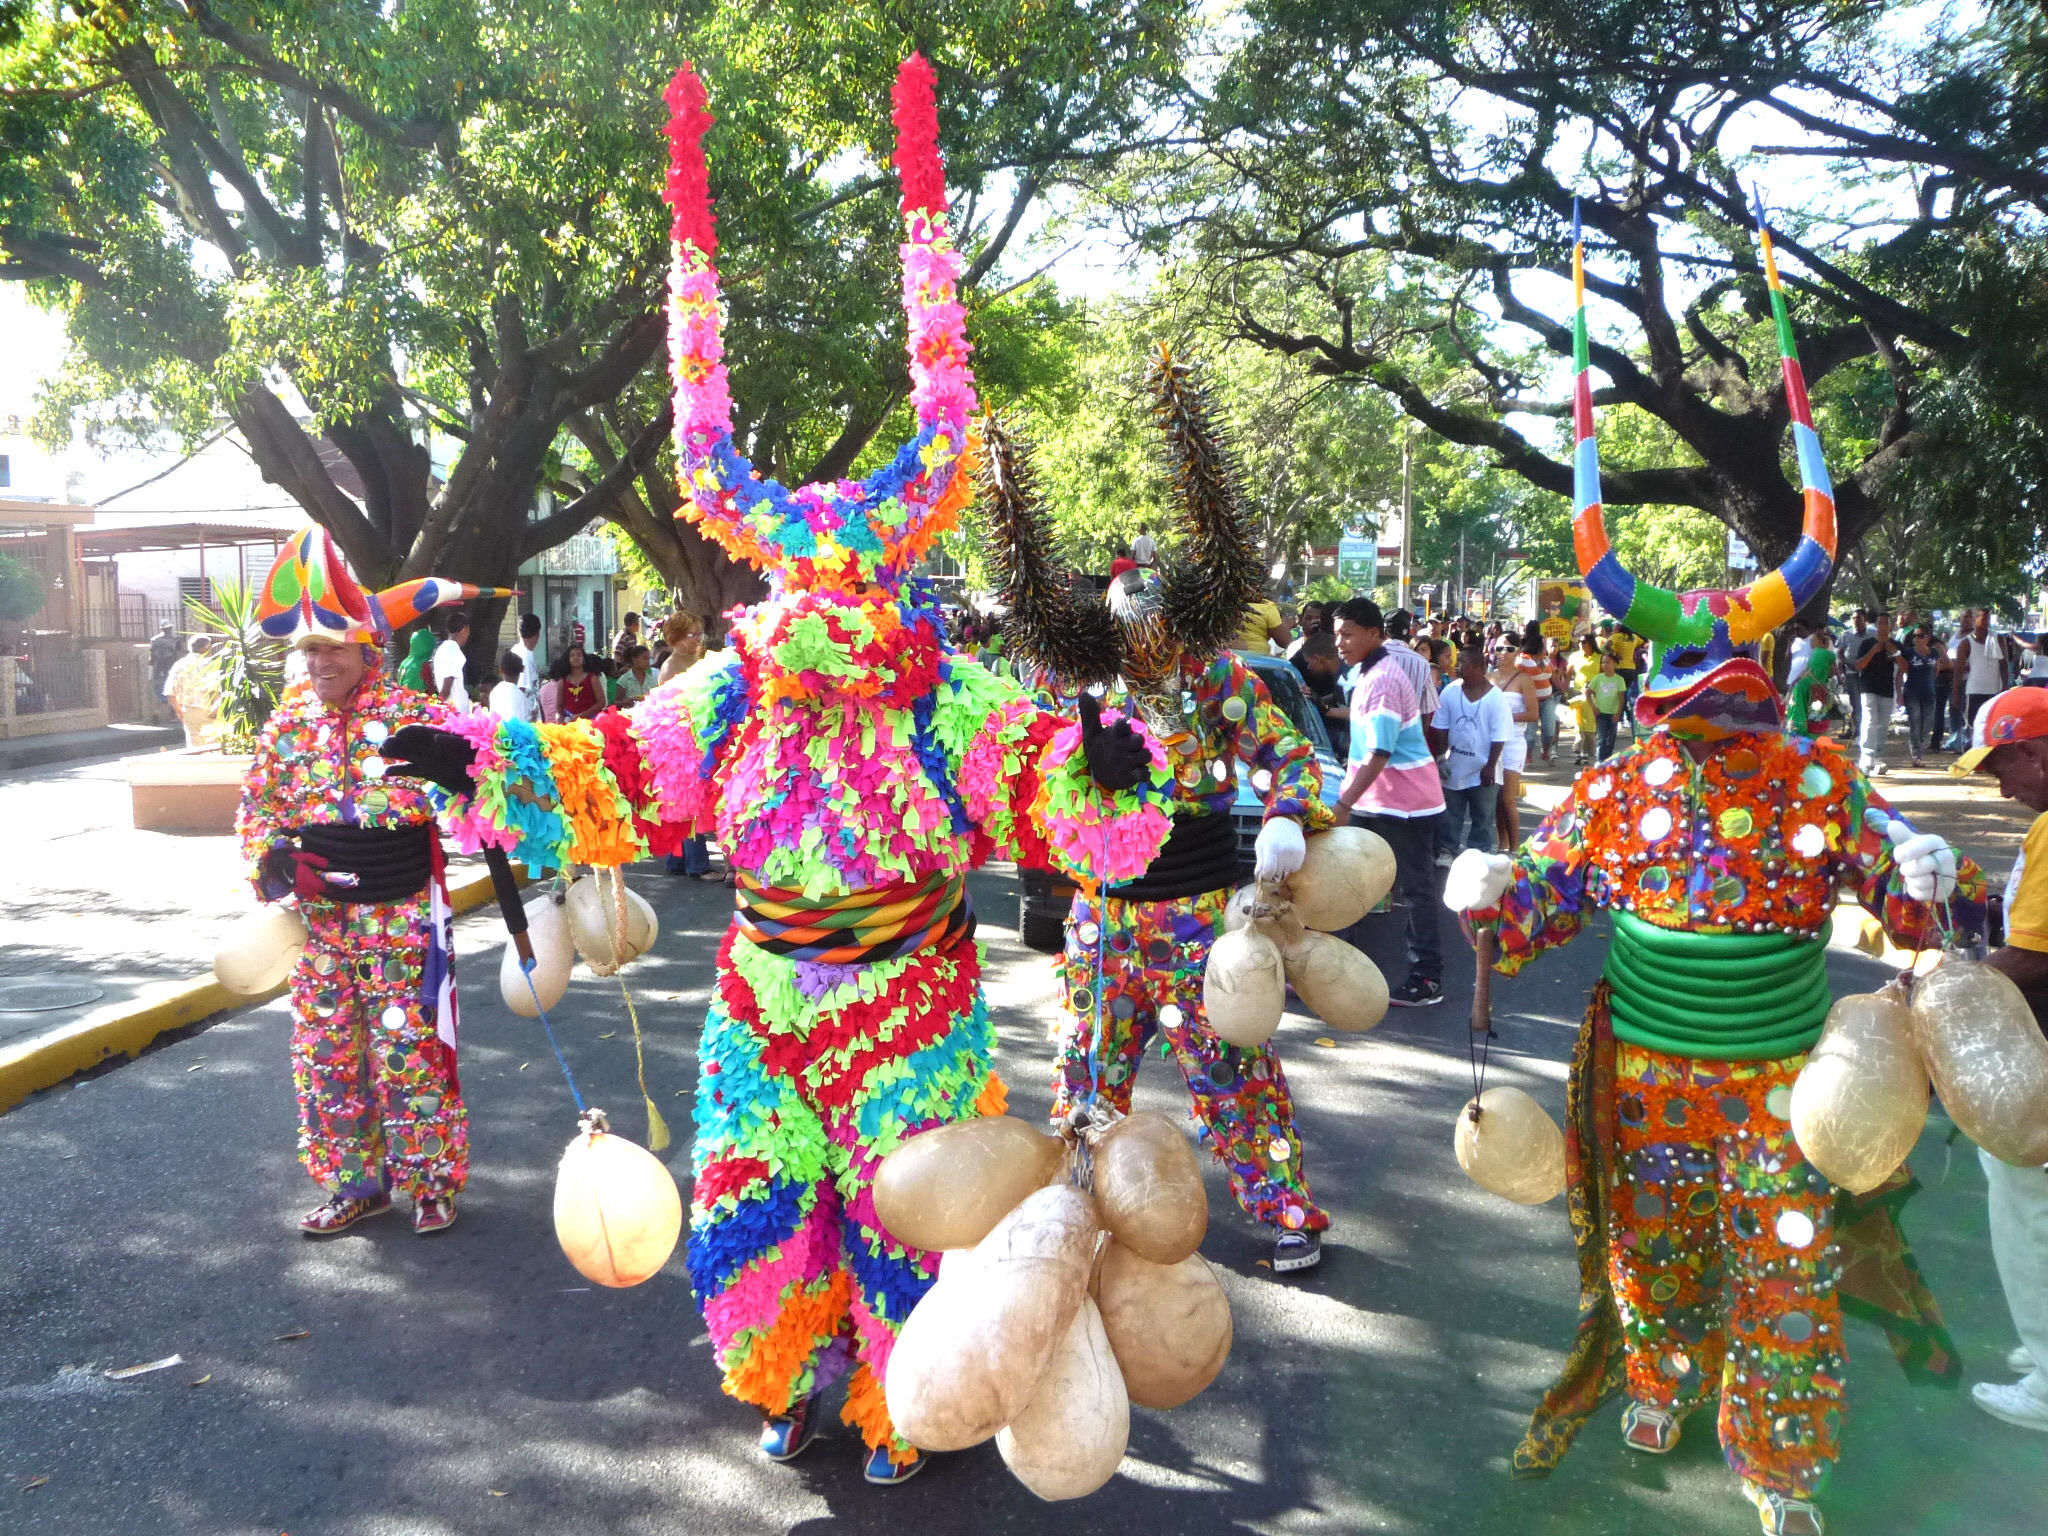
[324,821]
[856,771]
[1709,1250]
[1135,953]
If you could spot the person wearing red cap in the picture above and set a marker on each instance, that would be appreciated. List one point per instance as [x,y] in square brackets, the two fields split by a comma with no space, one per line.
[326,820]
[2010,742]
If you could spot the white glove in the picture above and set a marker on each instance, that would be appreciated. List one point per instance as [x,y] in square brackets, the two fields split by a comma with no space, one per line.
[1925,862]
[1477,881]
[1279,851]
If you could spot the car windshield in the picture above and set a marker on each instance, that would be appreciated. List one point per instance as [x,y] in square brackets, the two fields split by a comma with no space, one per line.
[1283,685]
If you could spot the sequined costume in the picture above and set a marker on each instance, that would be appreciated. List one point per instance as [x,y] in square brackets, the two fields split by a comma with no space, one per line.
[1154,949]
[1711,1255]
[1717,1238]
[373,1007]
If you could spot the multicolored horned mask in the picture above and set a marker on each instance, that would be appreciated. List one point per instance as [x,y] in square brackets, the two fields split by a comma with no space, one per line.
[1705,667]
[845,534]
[1149,620]
[309,597]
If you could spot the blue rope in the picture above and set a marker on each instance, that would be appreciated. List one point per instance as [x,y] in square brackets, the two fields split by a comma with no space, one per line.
[1095,1047]
[526,970]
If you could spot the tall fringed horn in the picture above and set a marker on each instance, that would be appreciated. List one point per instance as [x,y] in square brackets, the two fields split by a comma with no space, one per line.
[1048,626]
[1651,611]
[836,534]
[1217,576]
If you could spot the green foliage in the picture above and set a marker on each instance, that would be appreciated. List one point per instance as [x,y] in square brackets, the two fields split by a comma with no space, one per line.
[247,665]
[21,590]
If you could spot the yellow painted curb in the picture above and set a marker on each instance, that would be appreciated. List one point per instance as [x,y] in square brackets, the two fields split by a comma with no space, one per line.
[43,1061]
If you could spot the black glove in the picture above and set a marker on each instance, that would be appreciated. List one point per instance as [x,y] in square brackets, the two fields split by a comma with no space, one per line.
[1117,758]
[440,757]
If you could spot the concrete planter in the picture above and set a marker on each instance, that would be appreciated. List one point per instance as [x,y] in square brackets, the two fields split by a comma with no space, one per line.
[191,790]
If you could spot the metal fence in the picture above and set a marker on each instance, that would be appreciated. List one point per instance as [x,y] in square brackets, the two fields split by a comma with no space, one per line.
[135,618]
[51,673]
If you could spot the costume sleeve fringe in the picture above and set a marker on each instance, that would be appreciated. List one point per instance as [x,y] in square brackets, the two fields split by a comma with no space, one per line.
[1097,836]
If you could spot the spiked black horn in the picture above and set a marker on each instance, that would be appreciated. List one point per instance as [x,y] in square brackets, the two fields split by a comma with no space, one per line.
[1048,626]
[1217,576]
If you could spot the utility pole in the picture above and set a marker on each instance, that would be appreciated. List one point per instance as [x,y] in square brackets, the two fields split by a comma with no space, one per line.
[1407,519]
[1459,605]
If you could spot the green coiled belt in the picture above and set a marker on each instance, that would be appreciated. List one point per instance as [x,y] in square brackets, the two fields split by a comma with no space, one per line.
[1724,996]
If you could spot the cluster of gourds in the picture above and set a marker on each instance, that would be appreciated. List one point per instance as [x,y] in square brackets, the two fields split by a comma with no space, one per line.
[1069,1288]
[1282,933]
[1860,1102]
[597,917]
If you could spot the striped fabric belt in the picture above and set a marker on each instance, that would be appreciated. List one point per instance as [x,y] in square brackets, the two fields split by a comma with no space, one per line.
[876,924]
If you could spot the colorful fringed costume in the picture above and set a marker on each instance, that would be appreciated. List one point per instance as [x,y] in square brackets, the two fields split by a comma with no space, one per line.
[1709,1250]
[1160,644]
[373,996]
[856,772]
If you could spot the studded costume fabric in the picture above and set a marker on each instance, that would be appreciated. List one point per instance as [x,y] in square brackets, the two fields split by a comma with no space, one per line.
[1713,1200]
[1152,988]
[1153,952]
[373,1033]
[1688,1187]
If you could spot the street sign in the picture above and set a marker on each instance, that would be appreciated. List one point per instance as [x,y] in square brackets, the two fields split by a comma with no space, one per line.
[1740,556]
[1357,559]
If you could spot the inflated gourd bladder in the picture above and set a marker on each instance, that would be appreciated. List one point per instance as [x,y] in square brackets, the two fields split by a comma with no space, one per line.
[594,907]
[554,956]
[1345,872]
[1169,1324]
[617,1211]
[1860,1101]
[1244,987]
[947,1188]
[1511,1147]
[1986,1057]
[260,951]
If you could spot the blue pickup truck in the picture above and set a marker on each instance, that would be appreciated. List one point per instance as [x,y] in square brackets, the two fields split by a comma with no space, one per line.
[1044,899]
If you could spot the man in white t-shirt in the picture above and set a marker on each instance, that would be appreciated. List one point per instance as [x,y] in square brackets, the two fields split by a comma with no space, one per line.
[531,663]
[449,662]
[507,697]
[1475,724]
[1143,550]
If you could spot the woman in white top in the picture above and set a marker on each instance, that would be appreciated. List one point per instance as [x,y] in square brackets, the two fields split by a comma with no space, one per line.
[1520,687]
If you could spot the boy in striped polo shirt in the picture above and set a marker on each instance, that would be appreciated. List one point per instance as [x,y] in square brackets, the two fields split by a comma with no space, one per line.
[1391,786]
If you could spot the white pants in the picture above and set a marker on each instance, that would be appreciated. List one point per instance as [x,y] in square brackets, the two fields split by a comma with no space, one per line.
[2019,1246]
[1872,730]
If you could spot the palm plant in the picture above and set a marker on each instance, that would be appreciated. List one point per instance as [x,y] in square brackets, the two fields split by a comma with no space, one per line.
[247,665]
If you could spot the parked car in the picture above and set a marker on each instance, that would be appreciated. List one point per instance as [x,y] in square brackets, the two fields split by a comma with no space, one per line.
[1045,898]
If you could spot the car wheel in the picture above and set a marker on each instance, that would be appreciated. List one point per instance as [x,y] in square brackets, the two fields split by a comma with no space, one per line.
[1045,932]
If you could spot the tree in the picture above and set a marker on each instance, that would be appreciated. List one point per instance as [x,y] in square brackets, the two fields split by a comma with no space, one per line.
[397,227]
[21,590]
[1454,139]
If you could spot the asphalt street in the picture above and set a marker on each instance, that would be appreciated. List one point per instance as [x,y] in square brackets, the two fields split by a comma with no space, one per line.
[380,1384]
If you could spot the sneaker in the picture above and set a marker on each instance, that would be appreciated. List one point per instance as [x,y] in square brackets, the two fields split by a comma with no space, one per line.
[787,1437]
[1444,860]
[435,1213]
[1783,1515]
[341,1213]
[1417,992]
[2015,1404]
[2020,1361]
[1651,1429]
[884,1471]
[1296,1251]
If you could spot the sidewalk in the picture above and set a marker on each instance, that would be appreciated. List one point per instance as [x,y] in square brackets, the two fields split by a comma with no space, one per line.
[73,746]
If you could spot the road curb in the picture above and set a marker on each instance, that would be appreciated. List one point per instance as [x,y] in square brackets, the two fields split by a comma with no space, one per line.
[46,1060]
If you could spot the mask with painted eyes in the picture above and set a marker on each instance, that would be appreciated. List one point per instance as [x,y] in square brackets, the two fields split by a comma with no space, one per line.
[1705,677]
